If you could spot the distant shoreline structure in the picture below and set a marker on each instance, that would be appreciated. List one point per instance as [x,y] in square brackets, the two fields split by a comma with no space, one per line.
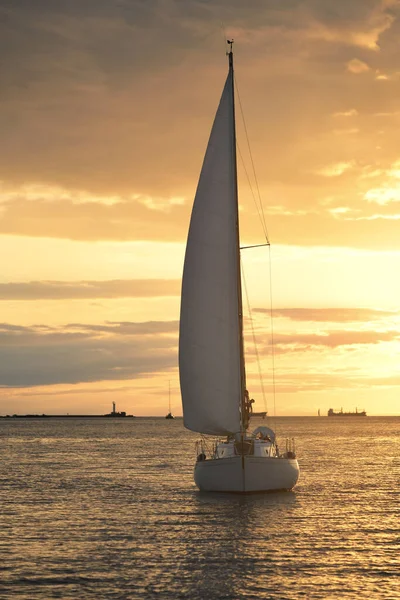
[67,416]
[113,415]
[332,413]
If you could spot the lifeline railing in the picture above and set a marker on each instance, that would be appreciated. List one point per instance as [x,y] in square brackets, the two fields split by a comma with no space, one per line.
[290,448]
[205,447]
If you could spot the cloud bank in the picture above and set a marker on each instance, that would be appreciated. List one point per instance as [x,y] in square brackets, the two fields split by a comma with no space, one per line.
[106,109]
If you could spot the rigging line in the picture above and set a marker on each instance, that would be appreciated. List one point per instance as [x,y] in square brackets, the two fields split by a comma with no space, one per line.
[223,30]
[272,332]
[254,338]
[252,161]
[260,216]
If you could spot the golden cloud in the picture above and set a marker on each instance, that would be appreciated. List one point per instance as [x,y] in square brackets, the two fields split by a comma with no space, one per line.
[80,290]
[357,66]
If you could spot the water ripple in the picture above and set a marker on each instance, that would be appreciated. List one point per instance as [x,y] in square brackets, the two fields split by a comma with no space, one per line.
[92,509]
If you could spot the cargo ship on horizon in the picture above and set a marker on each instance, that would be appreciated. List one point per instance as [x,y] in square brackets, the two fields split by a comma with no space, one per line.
[332,413]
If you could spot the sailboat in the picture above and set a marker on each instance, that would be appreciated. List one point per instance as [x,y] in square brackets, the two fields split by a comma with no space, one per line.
[169,415]
[211,349]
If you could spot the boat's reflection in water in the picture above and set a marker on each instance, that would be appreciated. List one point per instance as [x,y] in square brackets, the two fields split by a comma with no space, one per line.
[257,498]
[234,552]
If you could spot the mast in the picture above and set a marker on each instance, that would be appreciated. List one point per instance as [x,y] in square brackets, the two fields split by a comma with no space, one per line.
[243,407]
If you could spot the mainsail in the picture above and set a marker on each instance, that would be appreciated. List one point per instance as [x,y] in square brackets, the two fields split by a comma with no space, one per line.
[210,330]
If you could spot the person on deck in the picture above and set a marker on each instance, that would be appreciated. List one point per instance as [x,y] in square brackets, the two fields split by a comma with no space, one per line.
[247,409]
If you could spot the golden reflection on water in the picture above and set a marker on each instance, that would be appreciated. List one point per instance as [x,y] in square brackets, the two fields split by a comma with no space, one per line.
[109,509]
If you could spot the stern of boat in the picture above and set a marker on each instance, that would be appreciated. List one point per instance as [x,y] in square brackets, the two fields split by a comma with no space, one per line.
[254,465]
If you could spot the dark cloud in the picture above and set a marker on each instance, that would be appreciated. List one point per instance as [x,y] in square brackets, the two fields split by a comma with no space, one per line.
[332,315]
[41,355]
[294,382]
[114,351]
[301,342]
[30,356]
[76,391]
[129,328]
[80,290]
[8,327]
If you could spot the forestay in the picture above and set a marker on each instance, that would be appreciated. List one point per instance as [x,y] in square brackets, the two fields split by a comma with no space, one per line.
[209,340]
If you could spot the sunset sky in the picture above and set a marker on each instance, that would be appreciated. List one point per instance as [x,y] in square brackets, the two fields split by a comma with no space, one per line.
[105,111]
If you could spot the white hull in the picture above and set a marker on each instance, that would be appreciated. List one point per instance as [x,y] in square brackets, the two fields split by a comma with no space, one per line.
[246,474]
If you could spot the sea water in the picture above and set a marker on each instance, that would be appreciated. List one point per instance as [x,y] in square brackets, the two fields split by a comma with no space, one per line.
[107,508]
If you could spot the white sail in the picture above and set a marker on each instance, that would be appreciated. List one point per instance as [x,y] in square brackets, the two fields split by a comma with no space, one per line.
[209,340]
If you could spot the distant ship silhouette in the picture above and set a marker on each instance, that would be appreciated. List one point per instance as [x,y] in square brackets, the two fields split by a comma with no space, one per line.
[332,413]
